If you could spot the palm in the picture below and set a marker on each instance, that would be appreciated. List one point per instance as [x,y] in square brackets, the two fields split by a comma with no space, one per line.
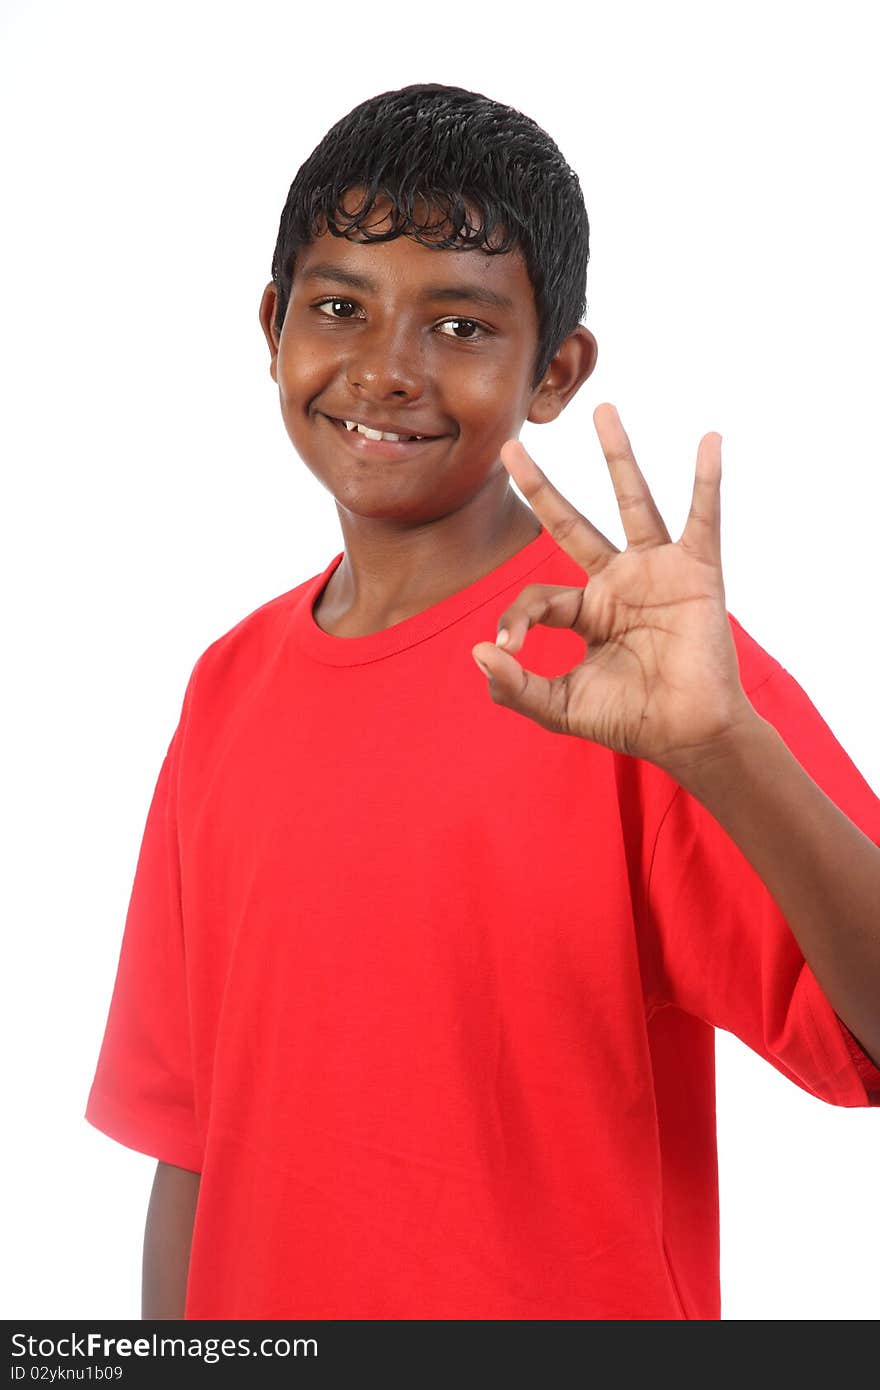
[651,611]
[660,677]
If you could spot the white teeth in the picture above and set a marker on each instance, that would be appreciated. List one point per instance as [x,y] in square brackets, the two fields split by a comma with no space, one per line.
[378,434]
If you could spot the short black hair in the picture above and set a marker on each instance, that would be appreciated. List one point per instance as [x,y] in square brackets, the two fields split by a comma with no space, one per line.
[449,148]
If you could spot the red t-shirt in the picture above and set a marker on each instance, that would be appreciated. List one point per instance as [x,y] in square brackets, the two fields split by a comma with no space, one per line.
[427,993]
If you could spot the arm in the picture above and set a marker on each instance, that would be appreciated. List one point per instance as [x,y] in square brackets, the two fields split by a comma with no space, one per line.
[821,869]
[661,681]
[167,1240]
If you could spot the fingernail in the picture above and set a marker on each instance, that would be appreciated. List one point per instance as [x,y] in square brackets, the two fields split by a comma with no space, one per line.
[503,637]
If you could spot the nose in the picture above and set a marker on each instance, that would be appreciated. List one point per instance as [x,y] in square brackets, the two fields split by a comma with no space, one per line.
[386,364]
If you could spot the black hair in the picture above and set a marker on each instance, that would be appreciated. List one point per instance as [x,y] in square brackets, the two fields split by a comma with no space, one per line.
[458,152]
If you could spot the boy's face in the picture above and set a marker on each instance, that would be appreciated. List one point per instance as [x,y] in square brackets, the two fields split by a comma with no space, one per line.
[395,335]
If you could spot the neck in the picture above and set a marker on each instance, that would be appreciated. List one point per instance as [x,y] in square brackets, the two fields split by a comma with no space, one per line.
[389,572]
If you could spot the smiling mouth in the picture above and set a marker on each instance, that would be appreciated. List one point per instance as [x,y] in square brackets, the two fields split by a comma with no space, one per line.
[363,445]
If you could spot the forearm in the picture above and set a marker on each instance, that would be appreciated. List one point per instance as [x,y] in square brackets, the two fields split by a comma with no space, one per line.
[822,871]
[167,1241]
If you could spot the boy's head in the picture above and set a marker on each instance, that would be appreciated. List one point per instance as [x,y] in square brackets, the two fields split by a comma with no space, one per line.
[404,175]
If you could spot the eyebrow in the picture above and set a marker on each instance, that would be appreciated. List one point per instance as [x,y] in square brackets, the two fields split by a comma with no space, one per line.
[475,294]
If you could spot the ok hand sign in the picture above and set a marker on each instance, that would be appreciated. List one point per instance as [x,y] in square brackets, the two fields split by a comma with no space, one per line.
[660,680]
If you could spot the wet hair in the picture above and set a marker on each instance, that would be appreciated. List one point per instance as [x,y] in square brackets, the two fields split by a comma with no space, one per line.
[496,179]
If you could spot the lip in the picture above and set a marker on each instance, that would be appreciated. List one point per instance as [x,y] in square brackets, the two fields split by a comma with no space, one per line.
[390,449]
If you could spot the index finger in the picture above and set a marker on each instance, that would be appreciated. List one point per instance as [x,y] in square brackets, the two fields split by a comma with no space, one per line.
[569,528]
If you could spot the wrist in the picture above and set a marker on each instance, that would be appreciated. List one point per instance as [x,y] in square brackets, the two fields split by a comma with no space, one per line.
[727,758]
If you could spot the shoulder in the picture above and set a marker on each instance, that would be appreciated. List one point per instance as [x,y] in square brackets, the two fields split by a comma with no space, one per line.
[244,652]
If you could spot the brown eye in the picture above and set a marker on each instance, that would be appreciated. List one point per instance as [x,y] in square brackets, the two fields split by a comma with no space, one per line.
[334,304]
[475,328]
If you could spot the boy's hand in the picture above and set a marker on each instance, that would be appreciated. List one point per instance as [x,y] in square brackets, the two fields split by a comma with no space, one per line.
[660,679]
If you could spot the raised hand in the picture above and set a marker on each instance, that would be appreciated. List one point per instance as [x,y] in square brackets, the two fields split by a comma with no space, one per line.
[660,678]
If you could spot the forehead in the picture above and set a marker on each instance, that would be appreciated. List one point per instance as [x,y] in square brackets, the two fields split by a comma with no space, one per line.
[409,263]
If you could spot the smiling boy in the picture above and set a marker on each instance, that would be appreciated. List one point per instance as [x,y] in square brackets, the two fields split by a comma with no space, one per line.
[416,995]
[420,520]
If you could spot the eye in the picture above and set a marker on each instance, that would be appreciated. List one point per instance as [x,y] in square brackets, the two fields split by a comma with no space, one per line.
[477,329]
[346,309]
[333,303]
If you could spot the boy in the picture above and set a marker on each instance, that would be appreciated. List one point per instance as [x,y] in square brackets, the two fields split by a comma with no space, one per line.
[417,989]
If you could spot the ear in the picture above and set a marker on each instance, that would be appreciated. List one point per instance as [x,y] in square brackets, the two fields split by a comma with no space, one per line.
[565,375]
[267,320]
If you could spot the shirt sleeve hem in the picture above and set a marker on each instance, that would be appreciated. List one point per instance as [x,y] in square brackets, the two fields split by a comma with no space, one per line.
[869,1074]
[153,1137]
[855,1080]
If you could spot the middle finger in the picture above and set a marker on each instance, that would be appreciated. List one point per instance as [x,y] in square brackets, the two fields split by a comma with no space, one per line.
[642,522]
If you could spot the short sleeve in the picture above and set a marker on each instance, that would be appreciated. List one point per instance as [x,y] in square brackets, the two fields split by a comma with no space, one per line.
[725,952]
[142,1093]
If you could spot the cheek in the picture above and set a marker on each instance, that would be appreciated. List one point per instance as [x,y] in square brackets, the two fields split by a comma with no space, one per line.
[486,402]
[300,375]
[475,380]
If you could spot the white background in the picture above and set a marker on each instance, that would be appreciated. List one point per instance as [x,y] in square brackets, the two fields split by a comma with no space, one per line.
[152,497]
